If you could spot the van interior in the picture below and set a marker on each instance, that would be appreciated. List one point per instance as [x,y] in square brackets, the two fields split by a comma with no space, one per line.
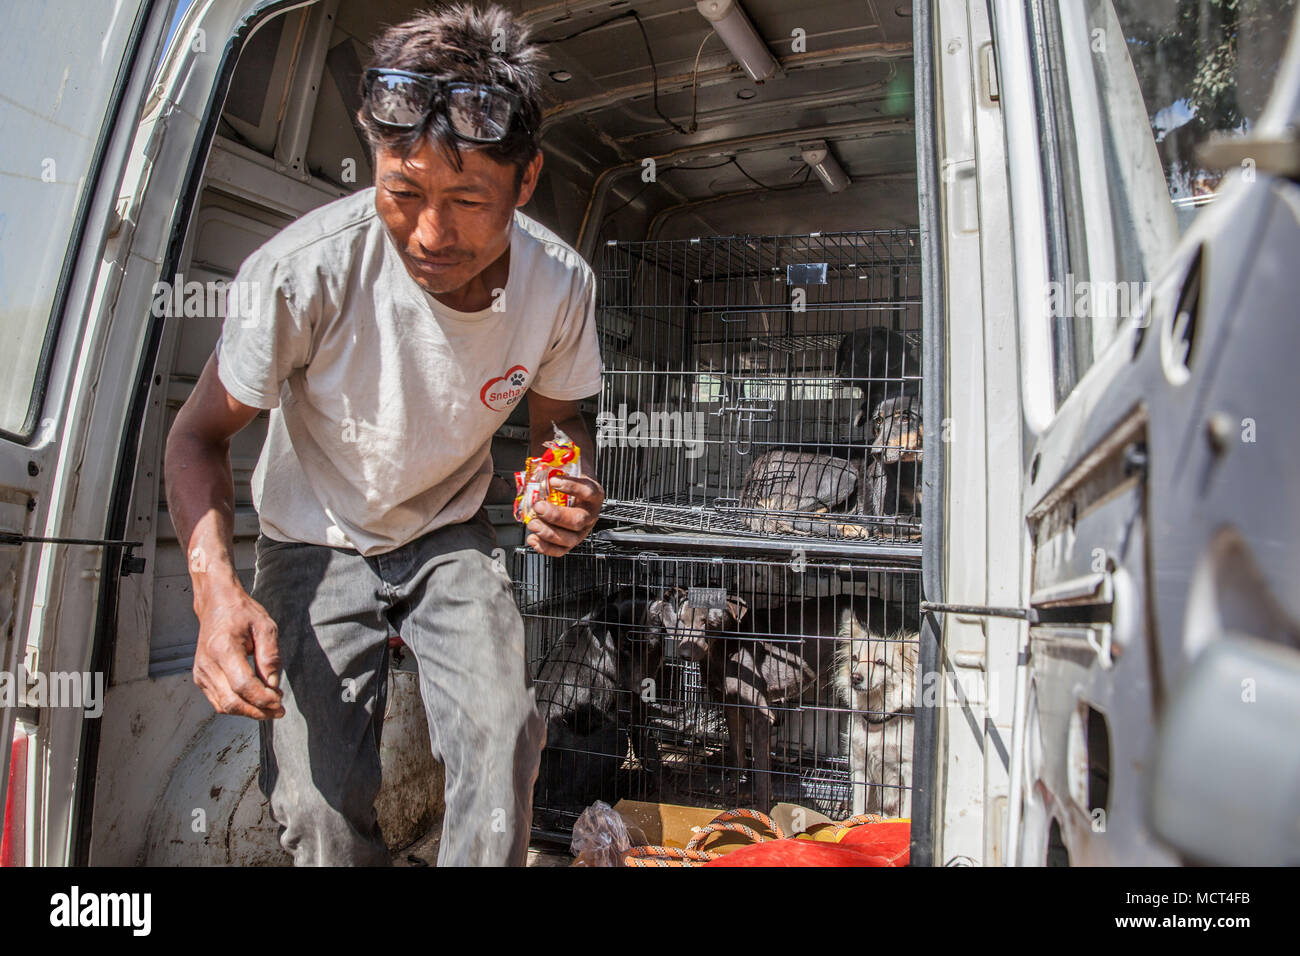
[758,175]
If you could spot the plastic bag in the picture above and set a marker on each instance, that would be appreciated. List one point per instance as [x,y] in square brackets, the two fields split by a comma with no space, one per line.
[533,484]
[600,837]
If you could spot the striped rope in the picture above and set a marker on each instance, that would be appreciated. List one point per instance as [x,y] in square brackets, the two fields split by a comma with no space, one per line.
[666,856]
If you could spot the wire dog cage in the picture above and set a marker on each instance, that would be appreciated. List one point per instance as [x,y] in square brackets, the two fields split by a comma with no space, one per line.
[761,385]
[653,670]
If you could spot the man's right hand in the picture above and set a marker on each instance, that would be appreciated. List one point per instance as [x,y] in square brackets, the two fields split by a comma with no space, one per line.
[231,627]
[201,501]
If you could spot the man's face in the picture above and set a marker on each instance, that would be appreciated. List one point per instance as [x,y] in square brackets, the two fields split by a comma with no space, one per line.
[448,226]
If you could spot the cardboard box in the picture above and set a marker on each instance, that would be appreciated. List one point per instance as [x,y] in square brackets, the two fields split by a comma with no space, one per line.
[667,824]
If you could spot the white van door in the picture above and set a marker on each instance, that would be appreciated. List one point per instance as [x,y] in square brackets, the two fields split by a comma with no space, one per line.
[73,81]
[1160,668]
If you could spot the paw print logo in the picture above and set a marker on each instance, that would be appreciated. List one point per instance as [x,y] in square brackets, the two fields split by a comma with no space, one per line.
[502,392]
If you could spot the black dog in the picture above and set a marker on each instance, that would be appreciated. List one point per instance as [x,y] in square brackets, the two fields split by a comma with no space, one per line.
[881,363]
[585,750]
[592,692]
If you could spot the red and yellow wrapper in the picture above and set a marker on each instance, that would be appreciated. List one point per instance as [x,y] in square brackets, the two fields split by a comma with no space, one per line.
[533,484]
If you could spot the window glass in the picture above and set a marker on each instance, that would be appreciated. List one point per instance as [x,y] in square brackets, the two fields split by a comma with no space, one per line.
[59,64]
[1204,67]
[182,7]
[1134,88]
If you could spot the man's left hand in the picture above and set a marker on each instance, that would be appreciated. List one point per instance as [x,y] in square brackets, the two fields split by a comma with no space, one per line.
[556,529]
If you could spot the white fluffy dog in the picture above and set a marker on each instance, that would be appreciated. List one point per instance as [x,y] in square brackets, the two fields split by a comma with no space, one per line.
[875,675]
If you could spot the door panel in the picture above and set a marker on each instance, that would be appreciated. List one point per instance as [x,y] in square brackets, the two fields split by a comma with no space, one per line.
[1163,529]
[72,81]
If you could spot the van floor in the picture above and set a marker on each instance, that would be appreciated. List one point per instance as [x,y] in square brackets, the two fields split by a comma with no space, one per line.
[424,852]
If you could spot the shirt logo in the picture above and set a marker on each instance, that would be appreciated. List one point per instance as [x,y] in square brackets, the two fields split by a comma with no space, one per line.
[501,393]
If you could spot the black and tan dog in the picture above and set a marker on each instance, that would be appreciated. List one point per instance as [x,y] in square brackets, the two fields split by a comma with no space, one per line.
[884,482]
[892,469]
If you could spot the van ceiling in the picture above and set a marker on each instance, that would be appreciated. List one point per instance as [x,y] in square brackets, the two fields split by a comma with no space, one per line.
[854,76]
[850,85]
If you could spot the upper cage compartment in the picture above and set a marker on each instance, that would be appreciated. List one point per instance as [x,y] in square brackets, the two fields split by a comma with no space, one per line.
[764,384]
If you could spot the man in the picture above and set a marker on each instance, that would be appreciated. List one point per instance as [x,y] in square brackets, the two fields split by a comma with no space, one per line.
[392,333]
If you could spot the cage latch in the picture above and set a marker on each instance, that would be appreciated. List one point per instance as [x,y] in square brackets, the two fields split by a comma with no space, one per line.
[745,415]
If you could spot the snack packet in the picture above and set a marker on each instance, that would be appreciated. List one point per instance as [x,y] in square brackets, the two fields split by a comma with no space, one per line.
[533,484]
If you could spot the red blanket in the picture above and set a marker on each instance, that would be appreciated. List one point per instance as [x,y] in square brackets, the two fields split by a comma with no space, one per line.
[869,844]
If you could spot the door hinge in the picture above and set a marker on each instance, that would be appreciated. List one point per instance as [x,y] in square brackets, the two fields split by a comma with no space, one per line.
[131,563]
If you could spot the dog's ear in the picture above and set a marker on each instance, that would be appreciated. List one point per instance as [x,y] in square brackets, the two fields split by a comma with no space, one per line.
[847,626]
[737,607]
[664,610]
[658,613]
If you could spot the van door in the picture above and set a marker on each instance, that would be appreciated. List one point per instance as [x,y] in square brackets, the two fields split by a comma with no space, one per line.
[1157,336]
[973,447]
[72,79]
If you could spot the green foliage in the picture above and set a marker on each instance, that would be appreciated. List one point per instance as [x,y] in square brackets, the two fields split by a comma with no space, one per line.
[1193,50]
[1218,58]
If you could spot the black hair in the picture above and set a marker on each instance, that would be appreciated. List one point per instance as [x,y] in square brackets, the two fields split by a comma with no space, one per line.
[477,45]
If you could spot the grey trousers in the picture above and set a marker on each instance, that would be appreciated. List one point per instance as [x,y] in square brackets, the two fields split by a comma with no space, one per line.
[454,607]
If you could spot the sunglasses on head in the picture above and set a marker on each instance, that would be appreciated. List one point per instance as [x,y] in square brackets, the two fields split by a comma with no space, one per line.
[477,112]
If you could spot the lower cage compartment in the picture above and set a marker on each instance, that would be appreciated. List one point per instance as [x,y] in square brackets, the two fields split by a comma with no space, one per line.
[649,667]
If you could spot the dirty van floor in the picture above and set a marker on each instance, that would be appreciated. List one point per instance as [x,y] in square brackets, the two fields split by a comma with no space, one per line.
[424,852]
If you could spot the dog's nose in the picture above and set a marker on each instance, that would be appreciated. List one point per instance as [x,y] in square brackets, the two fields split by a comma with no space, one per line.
[688,652]
[858,679]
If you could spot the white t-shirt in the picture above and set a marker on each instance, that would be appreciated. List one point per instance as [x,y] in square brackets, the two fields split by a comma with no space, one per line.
[384,401]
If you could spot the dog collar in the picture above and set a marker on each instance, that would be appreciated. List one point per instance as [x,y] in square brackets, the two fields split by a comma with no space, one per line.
[897,713]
